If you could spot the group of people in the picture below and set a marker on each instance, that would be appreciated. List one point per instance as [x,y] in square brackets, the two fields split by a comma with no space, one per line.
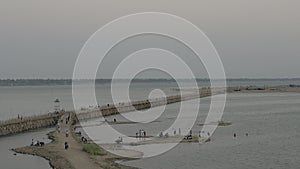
[141,133]
[175,132]
[68,119]
[161,134]
[37,143]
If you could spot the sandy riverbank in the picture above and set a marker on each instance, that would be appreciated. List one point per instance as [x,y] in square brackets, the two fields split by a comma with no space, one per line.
[74,157]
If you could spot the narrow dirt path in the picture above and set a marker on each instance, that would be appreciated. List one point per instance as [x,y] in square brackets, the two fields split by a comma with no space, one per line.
[55,152]
[74,153]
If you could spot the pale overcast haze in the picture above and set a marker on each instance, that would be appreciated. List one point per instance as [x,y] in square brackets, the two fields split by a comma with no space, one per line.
[255,39]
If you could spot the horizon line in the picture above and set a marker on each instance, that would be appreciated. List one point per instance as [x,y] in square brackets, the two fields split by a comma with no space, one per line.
[266,78]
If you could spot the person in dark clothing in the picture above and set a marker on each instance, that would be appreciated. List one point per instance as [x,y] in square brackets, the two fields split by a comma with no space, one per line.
[66,145]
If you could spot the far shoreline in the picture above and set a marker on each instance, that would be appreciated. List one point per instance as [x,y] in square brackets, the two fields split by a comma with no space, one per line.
[68,82]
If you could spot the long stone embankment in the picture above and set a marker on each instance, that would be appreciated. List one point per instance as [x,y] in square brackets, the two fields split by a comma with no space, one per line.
[20,125]
[108,110]
[143,104]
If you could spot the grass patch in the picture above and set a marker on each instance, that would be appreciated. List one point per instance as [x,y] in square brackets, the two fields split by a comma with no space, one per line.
[93,149]
[106,167]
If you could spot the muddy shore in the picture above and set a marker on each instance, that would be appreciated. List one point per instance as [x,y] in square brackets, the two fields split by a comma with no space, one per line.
[74,157]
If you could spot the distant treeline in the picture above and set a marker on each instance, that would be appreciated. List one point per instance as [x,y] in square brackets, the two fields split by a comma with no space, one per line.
[53,82]
[34,82]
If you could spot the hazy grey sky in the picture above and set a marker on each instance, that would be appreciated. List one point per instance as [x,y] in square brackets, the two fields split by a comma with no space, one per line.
[257,38]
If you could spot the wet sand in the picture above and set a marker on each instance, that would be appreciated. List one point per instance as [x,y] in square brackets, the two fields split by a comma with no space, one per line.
[72,158]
